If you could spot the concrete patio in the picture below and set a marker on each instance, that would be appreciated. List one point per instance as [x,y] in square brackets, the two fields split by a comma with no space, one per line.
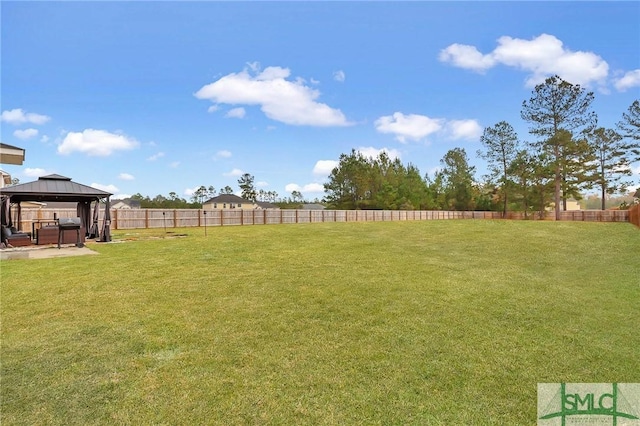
[44,252]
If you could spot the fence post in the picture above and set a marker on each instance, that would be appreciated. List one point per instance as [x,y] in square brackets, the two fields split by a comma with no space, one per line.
[175,219]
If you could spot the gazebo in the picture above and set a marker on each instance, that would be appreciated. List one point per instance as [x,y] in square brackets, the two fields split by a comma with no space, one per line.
[60,188]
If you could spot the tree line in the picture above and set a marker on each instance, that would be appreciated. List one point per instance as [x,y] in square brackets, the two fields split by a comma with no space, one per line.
[570,153]
[204,193]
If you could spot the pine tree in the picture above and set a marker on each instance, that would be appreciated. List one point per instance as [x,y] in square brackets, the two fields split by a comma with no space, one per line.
[246,187]
[501,148]
[458,177]
[557,105]
[613,161]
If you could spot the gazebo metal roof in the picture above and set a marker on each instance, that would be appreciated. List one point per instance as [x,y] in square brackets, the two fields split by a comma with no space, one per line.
[53,188]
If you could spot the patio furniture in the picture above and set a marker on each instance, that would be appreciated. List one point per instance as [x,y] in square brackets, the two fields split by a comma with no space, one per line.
[50,234]
[12,237]
[39,223]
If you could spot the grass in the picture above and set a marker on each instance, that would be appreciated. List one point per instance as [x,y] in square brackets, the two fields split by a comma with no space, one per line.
[437,322]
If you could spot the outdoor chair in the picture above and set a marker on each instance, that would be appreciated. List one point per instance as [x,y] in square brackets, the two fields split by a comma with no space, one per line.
[14,238]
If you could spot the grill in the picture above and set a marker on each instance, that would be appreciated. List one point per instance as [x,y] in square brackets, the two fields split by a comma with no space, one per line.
[69,224]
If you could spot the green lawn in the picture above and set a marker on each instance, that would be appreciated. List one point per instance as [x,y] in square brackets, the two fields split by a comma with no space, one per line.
[435,322]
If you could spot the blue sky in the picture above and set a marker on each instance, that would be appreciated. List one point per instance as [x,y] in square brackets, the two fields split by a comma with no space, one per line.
[153,98]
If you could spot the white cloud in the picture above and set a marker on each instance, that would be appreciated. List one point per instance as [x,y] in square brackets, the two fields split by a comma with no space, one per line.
[213,108]
[313,187]
[35,172]
[541,56]
[308,188]
[126,176]
[25,134]
[372,152]
[98,143]
[339,76]
[18,116]
[234,173]
[174,164]
[464,129]
[109,188]
[468,57]
[290,102]
[223,154]
[324,167]
[417,127]
[190,191]
[44,139]
[262,184]
[236,113]
[629,80]
[254,66]
[412,126]
[154,157]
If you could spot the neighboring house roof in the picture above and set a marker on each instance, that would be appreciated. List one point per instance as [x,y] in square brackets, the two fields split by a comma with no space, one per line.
[228,198]
[128,202]
[265,205]
[10,154]
[53,188]
[313,206]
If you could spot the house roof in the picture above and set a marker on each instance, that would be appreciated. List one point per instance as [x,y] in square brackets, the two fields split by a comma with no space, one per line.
[134,204]
[53,188]
[10,154]
[228,198]
[313,206]
[265,205]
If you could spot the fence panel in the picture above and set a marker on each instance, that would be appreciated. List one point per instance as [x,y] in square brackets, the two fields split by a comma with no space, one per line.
[634,215]
[129,219]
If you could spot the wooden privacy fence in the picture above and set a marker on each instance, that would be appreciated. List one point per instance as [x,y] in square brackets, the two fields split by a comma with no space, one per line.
[150,218]
[172,218]
[634,215]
